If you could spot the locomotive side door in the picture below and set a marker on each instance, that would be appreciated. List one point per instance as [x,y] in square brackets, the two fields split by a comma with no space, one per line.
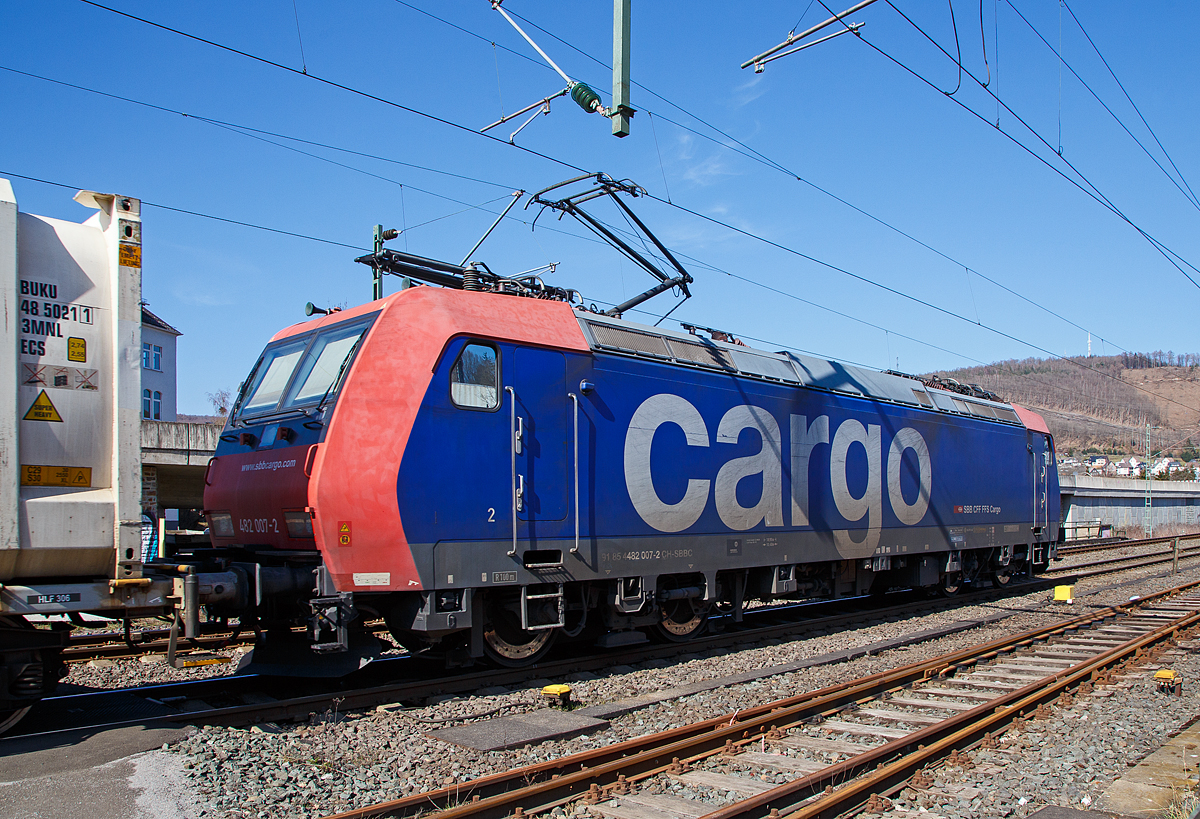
[1040,454]
[540,435]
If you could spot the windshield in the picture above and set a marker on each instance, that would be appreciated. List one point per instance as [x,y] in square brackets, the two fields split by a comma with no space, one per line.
[323,364]
[302,371]
[273,375]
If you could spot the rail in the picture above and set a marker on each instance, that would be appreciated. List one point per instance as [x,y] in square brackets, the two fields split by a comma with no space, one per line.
[612,771]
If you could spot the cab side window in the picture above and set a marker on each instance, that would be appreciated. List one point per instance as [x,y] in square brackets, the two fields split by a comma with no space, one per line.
[475,378]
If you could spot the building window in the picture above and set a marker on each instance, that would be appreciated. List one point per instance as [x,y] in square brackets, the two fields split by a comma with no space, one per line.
[157,405]
[146,404]
[151,357]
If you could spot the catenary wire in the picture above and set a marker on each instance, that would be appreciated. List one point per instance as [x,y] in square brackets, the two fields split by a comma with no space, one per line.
[321,240]
[901,294]
[334,84]
[1094,193]
[757,156]
[242,127]
[472,131]
[1158,245]
[1187,193]
[1126,93]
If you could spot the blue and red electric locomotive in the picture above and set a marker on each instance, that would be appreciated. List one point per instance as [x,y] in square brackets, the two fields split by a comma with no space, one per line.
[489,471]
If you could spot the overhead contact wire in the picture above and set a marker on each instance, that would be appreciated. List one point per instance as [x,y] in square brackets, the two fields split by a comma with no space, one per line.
[903,295]
[1131,102]
[1094,193]
[335,84]
[1187,192]
[564,163]
[750,153]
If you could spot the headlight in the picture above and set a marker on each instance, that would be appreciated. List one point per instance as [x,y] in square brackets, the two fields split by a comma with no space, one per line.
[220,524]
[299,524]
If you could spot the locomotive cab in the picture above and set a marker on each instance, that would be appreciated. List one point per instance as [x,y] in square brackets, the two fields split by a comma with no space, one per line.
[261,520]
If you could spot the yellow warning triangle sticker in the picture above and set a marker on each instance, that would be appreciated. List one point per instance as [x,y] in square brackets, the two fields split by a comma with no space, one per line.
[43,410]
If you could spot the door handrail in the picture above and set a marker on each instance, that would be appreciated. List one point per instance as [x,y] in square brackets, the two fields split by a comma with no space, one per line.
[575,461]
[512,444]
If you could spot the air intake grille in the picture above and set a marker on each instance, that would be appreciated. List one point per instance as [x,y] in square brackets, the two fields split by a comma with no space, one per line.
[609,336]
[702,354]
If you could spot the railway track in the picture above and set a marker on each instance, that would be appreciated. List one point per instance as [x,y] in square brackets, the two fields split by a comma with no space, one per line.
[242,699]
[840,749]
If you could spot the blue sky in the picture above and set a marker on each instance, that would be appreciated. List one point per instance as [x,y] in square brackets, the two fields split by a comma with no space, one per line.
[842,116]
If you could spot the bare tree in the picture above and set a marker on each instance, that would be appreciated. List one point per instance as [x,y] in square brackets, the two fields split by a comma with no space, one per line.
[221,399]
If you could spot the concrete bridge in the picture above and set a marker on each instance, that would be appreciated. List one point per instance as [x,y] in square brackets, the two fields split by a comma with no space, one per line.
[174,457]
[1121,502]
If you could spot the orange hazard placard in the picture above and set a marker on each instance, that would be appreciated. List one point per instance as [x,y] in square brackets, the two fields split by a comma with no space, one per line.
[343,533]
[129,255]
[38,475]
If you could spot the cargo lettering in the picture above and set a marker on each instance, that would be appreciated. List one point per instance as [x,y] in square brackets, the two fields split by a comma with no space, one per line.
[848,438]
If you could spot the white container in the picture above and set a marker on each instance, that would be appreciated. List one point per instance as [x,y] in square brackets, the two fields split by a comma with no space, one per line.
[70,366]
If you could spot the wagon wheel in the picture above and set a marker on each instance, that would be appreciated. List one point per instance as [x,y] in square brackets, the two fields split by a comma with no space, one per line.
[507,644]
[11,717]
[1002,576]
[951,584]
[681,620]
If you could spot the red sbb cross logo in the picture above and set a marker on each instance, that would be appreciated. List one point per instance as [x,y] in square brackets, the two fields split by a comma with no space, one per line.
[343,533]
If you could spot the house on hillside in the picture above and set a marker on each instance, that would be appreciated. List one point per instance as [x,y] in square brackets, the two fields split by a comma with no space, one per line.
[1166,466]
[1129,467]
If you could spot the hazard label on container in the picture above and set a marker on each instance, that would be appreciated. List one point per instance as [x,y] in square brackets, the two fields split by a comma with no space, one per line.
[77,476]
[42,410]
[130,255]
[76,349]
[344,533]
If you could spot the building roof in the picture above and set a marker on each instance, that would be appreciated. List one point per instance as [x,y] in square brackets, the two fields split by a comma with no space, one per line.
[151,320]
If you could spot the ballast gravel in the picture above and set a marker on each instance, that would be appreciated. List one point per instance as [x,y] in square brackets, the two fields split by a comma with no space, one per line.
[338,761]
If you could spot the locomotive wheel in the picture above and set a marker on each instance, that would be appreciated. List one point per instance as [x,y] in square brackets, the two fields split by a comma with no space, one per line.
[1002,577]
[681,620]
[951,584]
[11,717]
[506,643]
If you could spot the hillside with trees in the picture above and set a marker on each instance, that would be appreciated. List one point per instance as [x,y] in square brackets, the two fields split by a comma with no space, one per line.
[1103,403]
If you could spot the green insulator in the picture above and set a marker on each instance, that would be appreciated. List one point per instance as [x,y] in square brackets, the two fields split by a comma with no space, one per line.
[587,99]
